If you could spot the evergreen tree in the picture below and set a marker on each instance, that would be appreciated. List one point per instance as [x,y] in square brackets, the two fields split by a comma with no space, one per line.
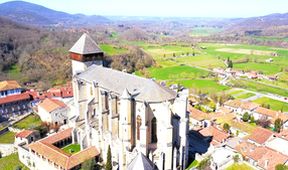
[109,160]
[278,125]
[226,127]
[246,117]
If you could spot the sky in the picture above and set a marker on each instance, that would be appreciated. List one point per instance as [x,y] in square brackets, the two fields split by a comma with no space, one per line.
[168,8]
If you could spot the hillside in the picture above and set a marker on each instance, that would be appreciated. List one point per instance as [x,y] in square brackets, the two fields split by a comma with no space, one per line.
[32,14]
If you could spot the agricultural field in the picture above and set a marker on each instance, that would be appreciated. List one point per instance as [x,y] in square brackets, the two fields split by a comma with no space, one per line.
[204,31]
[11,162]
[255,86]
[245,95]
[112,49]
[274,104]
[30,122]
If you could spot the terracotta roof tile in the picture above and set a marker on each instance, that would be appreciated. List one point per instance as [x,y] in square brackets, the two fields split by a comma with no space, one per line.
[65,160]
[218,135]
[51,104]
[260,135]
[15,98]
[24,134]
[9,85]
[197,114]
[240,104]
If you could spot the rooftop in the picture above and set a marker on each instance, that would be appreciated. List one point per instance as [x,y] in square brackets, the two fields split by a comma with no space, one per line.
[218,135]
[260,135]
[240,104]
[197,114]
[14,98]
[85,45]
[141,162]
[141,89]
[65,160]
[9,85]
[51,104]
[24,133]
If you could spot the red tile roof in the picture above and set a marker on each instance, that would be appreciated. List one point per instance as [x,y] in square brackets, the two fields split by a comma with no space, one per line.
[9,85]
[197,114]
[260,135]
[240,104]
[24,134]
[65,160]
[15,98]
[267,112]
[218,135]
[51,104]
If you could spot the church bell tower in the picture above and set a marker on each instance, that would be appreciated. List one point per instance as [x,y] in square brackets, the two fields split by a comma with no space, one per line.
[84,53]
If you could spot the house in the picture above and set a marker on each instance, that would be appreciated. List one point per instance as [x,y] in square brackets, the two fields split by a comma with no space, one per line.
[260,136]
[53,111]
[278,144]
[241,107]
[217,136]
[26,136]
[252,75]
[261,157]
[47,153]
[263,113]
[198,118]
[13,101]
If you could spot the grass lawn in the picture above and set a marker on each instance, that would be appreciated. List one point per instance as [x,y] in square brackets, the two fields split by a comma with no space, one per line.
[113,50]
[72,148]
[176,72]
[11,162]
[30,122]
[235,92]
[7,138]
[239,166]
[274,104]
[245,95]
[266,68]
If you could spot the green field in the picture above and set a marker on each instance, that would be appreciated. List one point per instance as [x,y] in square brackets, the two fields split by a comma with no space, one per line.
[203,85]
[254,86]
[72,148]
[245,95]
[11,162]
[30,122]
[274,104]
[112,50]
[204,31]
[176,72]
[238,166]
[7,138]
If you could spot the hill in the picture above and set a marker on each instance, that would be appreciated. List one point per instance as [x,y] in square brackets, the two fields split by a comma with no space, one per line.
[32,14]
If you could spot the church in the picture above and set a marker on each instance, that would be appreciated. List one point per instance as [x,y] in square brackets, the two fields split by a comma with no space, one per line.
[135,116]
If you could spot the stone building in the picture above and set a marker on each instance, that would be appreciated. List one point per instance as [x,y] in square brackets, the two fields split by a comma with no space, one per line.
[130,113]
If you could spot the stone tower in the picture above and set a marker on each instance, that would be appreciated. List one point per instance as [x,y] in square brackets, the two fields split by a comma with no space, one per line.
[84,53]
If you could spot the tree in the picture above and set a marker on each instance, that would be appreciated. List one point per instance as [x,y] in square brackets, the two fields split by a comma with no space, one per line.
[236,158]
[278,125]
[246,117]
[109,160]
[252,119]
[89,164]
[0,154]
[226,127]
[264,122]
[281,167]
[230,64]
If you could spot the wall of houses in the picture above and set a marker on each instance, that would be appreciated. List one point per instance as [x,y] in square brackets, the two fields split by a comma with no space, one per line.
[58,116]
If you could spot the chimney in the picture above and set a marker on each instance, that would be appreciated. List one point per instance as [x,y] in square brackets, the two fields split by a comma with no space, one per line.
[266,164]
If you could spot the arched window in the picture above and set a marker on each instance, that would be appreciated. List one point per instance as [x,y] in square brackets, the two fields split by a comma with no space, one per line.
[138,126]
[154,130]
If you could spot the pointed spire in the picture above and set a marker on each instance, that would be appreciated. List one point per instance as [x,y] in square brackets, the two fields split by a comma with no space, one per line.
[126,94]
[141,162]
[85,45]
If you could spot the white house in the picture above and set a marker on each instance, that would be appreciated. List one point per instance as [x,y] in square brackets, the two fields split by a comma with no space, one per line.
[53,111]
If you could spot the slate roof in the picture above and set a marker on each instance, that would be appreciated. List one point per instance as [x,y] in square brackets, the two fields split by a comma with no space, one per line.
[9,85]
[141,89]
[141,162]
[85,45]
